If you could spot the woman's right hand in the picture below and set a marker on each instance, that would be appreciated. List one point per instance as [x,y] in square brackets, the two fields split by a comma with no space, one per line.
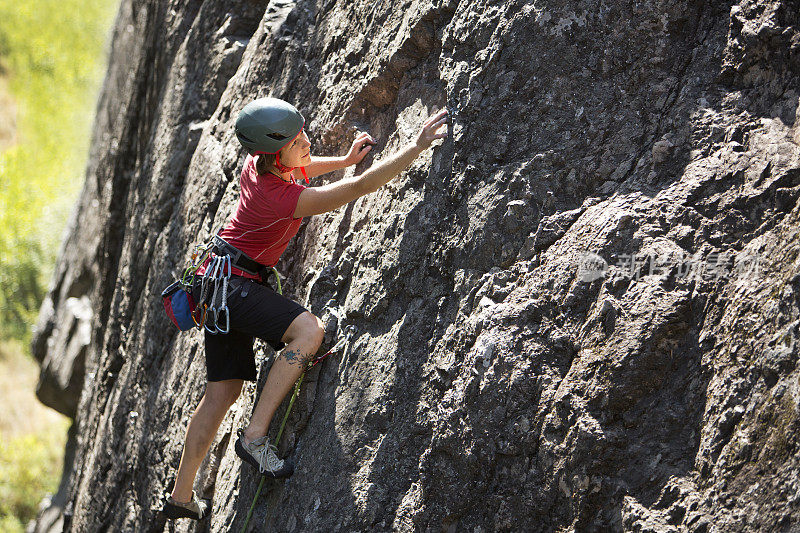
[429,128]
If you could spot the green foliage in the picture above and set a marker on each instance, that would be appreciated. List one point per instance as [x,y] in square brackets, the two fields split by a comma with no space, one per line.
[53,53]
[11,524]
[30,467]
[32,440]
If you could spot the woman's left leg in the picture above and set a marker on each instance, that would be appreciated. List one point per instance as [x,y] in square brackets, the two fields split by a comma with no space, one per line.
[202,429]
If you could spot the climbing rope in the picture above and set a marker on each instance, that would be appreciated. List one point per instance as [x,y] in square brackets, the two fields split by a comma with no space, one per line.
[278,279]
[350,330]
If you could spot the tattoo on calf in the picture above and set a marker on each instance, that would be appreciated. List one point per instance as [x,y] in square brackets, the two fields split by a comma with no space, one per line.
[296,357]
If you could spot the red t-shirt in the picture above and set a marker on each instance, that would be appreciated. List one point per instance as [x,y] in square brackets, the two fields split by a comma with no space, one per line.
[263,223]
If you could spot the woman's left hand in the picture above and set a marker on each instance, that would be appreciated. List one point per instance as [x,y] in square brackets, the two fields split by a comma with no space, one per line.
[361,147]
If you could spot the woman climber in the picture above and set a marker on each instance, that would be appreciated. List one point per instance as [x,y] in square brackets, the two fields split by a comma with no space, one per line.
[270,210]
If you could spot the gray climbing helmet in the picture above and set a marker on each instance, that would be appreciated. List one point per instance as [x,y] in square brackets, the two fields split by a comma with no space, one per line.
[266,125]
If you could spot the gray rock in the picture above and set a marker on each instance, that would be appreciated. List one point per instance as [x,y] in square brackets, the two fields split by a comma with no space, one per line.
[664,400]
[62,372]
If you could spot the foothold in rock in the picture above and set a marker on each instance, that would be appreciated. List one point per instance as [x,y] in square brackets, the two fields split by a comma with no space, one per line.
[513,218]
[484,349]
[485,302]
[591,267]
[662,150]
[516,207]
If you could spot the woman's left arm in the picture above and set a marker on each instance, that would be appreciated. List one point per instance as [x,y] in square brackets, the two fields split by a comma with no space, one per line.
[321,165]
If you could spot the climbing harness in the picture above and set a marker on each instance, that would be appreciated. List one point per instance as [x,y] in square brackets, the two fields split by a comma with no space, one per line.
[206,313]
[349,332]
[240,259]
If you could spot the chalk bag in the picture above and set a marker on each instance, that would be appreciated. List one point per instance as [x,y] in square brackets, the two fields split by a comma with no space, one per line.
[179,304]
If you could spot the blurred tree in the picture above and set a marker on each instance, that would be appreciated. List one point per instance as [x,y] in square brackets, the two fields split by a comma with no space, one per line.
[54,53]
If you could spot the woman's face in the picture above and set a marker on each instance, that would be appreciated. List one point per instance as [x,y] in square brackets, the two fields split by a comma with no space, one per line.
[298,152]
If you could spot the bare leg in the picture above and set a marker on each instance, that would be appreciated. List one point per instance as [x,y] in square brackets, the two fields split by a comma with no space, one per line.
[305,335]
[202,430]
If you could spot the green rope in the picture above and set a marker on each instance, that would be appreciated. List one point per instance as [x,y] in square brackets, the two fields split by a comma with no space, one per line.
[277,440]
[278,279]
[283,424]
[309,365]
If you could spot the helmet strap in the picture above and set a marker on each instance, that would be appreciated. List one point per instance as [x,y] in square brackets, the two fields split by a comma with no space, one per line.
[279,166]
[284,168]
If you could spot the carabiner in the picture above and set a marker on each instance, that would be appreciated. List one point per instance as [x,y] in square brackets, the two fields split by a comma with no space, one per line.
[206,321]
[219,311]
[201,311]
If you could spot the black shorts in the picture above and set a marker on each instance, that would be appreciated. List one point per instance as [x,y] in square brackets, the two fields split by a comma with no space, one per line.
[255,311]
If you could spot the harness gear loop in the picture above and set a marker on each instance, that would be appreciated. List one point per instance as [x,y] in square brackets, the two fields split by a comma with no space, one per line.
[220,257]
[199,255]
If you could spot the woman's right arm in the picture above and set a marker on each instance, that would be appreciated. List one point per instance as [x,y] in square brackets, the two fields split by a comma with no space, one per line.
[316,200]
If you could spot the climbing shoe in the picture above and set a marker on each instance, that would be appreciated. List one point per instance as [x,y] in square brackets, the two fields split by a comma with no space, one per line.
[263,455]
[197,509]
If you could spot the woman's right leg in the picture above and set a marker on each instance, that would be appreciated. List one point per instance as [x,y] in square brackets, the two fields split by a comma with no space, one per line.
[202,429]
[304,335]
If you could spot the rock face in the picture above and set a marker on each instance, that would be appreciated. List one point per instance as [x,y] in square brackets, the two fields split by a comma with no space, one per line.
[579,312]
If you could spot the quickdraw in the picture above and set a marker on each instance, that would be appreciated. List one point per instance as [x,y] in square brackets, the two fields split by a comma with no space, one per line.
[218,275]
